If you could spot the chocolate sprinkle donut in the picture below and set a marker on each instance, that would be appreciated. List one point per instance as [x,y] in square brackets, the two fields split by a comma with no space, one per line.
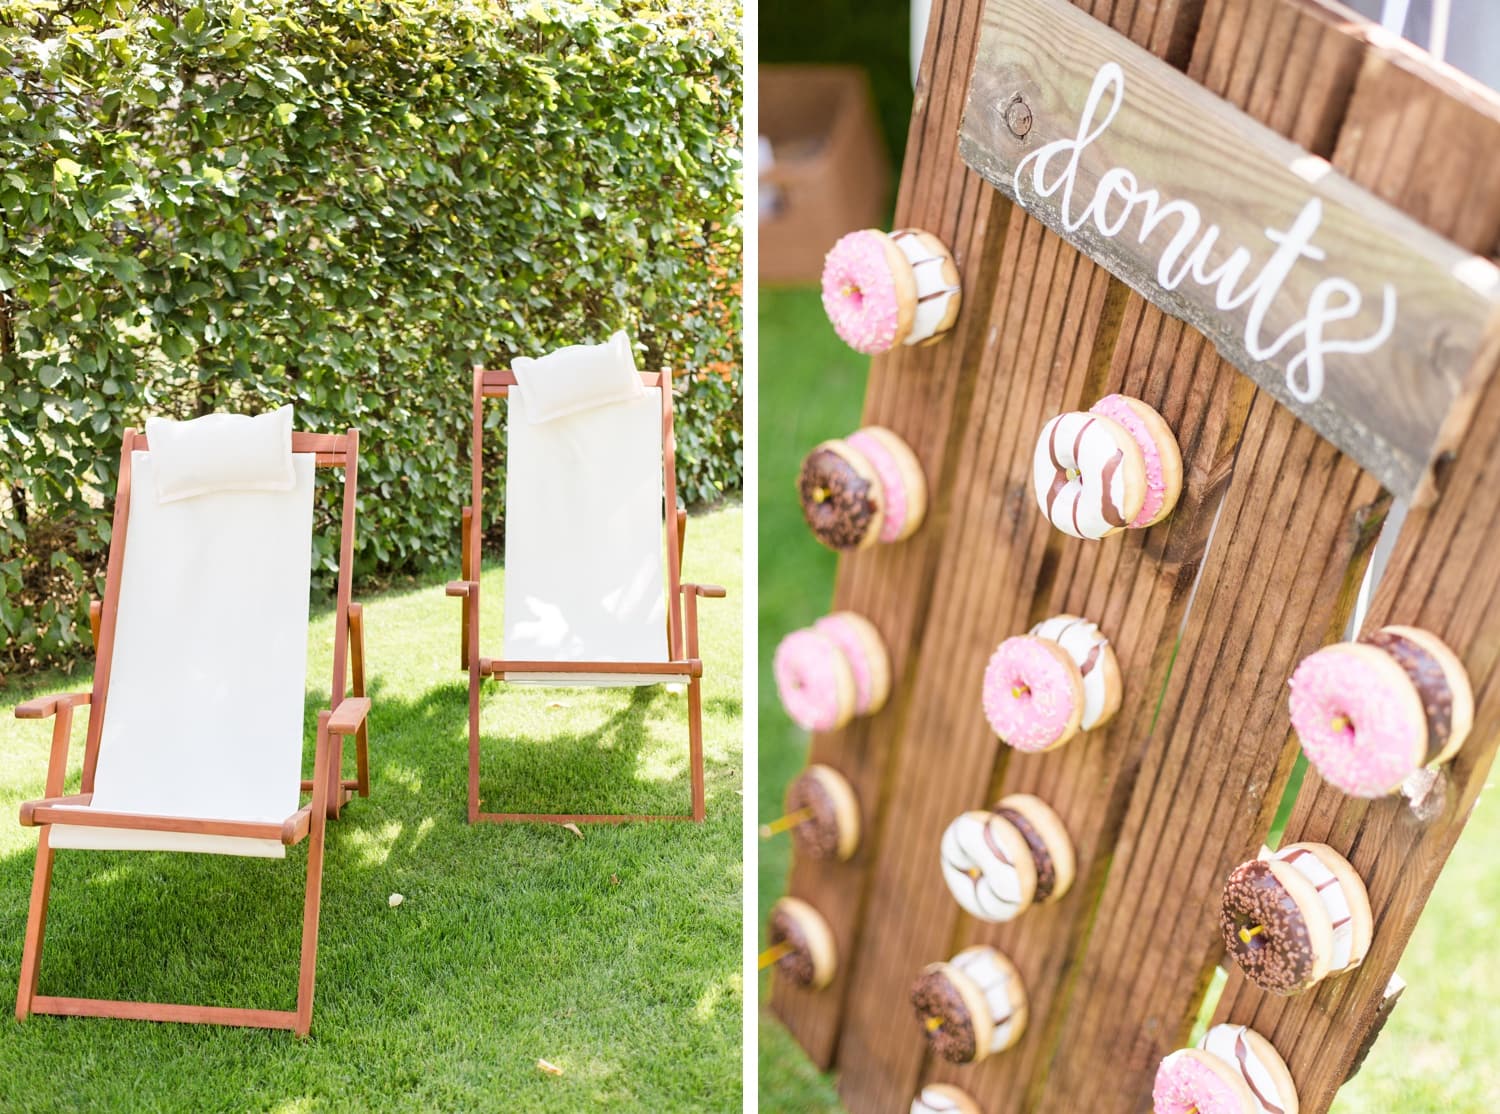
[839,504]
[818,836]
[1426,673]
[934,995]
[798,964]
[1280,958]
[1046,870]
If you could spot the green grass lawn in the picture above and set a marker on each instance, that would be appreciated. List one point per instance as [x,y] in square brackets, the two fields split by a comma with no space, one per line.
[1438,1053]
[812,387]
[615,957]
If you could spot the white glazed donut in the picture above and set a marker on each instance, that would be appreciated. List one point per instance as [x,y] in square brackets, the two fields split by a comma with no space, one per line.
[1090,651]
[988,867]
[937,288]
[1002,990]
[1229,1044]
[943,1098]
[1088,475]
[1331,893]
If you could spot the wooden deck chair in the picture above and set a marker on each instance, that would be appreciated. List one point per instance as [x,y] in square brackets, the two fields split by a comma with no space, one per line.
[584,531]
[196,714]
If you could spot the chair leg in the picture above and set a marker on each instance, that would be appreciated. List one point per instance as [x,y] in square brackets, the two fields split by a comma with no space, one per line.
[313,900]
[36,926]
[474,687]
[362,759]
[357,660]
[336,790]
[695,747]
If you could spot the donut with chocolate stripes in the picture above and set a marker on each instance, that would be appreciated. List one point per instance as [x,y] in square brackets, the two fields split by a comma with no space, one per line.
[1295,916]
[971,1007]
[1371,713]
[1233,1070]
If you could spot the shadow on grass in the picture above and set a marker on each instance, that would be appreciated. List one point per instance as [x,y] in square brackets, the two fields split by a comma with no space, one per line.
[615,955]
[633,756]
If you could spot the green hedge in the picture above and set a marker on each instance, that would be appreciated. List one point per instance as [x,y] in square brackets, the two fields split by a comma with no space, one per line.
[344,204]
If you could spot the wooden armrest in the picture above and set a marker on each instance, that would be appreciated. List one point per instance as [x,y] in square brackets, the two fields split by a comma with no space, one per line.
[347,717]
[709,591]
[459,587]
[28,808]
[44,706]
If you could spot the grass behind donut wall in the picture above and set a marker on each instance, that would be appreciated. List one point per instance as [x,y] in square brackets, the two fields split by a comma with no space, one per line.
[1440,1050]
[812,387]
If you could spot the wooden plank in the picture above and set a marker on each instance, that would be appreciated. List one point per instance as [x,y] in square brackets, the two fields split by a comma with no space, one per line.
[1437,578]
[1197,811]
[1435,581]
[1140,593]
[918,393]
[1353,315]
[1057,304]
[1159,817]
[1053,323]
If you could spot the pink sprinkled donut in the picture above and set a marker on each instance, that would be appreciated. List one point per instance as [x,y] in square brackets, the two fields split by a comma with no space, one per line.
[883,290]
[814,680]
[1159,450]
[1359,718]
[1187,1084]
[864,650]
[1033,693]
[863,291]
[901,478]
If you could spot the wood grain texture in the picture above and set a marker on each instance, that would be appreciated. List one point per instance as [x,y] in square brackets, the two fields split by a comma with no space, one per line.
[1209,611]
[1437,578]
[1053,320]
[1138,141]
[918,393]
[1279,579]
[1140,593]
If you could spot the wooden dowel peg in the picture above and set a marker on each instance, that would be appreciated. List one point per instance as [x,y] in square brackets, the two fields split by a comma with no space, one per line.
[774,954]
[785,823]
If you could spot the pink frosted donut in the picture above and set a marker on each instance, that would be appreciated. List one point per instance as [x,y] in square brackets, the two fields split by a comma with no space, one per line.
[889,473]
[1185,1084]
[1360,721]
[1158,448]
[864,651]
[1033,693]
[860,293]
[814,680]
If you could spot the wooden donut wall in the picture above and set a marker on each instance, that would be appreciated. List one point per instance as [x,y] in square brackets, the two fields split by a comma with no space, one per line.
[1209,611]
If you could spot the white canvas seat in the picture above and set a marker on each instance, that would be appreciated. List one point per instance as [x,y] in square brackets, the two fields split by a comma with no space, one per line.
[205,696]
[584,557]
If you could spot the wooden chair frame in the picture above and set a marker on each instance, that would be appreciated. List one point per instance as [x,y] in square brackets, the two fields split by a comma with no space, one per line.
[682,617]
[345,716]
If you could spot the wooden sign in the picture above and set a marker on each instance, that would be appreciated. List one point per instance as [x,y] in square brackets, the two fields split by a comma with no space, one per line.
[1361,321]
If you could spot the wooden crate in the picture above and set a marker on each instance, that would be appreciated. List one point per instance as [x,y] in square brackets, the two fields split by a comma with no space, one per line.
[1209,612]
[830,173]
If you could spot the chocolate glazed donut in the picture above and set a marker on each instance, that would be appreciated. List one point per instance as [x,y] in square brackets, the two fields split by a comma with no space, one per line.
[935,997]
[1265,931]
[839,504]
[1426,673]
[1046,870]
[798,965]
[818,836]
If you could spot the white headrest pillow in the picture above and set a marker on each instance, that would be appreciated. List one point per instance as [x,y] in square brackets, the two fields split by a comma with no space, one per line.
[577,378]
[221,452]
